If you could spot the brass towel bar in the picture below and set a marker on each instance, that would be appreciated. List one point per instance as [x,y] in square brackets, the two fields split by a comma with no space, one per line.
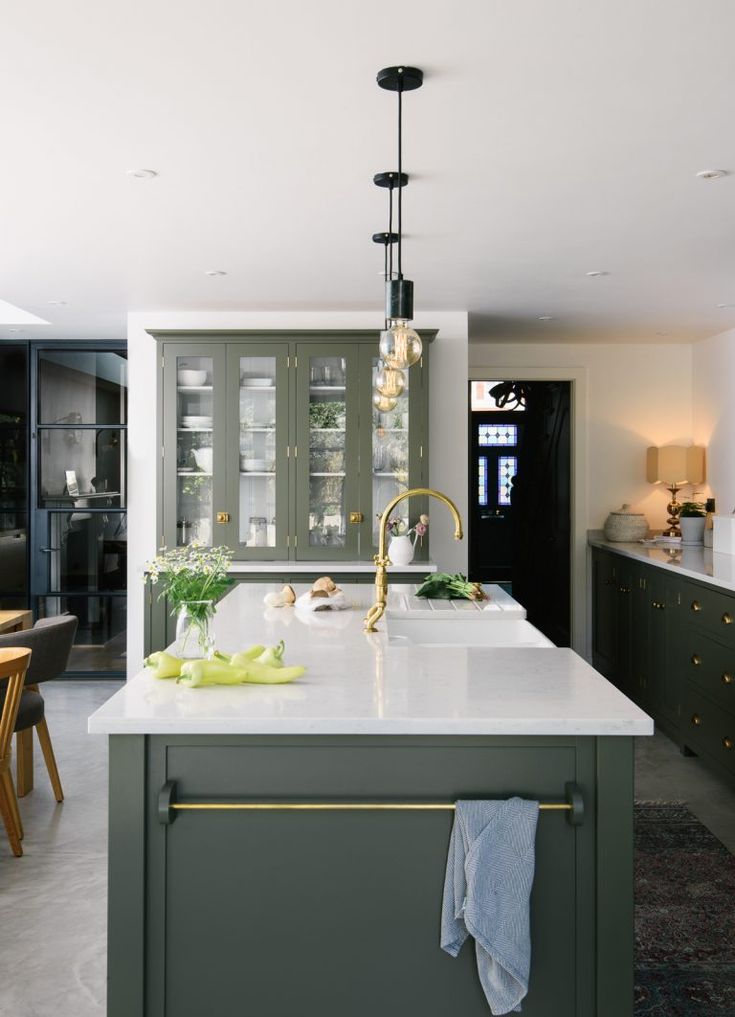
[168,806]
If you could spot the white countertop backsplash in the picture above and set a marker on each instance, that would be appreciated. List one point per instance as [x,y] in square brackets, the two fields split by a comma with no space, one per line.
[358,684]
[328,568]
[694,561]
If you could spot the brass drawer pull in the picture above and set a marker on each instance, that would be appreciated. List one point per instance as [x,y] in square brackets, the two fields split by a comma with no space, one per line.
[727,743]
[696,719]
[356,517]
[726,678]
[696,606]
[223,517]
[727,618]
[696,659]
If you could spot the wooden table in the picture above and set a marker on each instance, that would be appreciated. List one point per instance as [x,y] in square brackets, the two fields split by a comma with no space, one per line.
[18,621]
[15,621]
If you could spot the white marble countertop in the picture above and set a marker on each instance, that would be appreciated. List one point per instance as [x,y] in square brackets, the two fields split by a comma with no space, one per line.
[358,684]
[695,562]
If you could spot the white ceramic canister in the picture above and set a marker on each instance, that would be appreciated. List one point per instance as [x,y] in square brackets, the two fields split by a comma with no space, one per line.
[624,525]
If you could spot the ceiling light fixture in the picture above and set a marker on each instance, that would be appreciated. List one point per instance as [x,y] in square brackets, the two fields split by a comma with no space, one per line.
[545,317]
[595,273]
[400,345]
[724,307]
[57,303]
[214,271]
[142,174]
[711,174]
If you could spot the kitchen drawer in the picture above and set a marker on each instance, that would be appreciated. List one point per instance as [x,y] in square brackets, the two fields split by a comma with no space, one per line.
[709,665]
[708,728]
[710,611]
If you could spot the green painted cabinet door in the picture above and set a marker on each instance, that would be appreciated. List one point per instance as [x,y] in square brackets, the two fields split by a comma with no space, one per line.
[391,451]
[257,456]
[664,688]
[327,453]
[194,445]
[604,615]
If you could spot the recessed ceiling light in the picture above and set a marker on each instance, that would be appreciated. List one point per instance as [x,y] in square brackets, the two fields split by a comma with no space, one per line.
[711,174]
[13,330]
[724,307]
[662,332]
[57,303]
[545,317]
[142,174]
[596,272]
[215,271]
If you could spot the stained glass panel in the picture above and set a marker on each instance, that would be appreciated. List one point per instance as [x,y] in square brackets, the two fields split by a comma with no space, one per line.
[507,467]
[497,434]
[482,480]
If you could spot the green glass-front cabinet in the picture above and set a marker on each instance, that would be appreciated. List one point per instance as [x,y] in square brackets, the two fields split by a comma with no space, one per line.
[271,445]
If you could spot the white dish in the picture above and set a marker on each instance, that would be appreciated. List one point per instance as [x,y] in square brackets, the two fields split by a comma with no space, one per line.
[204,458]
[256,382]
[190,377]
[256,465]
[196,421]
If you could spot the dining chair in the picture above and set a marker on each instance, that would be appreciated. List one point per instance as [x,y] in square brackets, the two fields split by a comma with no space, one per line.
[14,662]
[51,640]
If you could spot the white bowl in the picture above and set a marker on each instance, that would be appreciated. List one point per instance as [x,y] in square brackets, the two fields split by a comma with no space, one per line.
[196,421]
[204,458]
[256,382]
[190,377]
[256,465]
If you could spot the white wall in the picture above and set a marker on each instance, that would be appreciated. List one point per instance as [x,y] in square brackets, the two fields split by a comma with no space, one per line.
[637,395]
[714,414]
[447,441]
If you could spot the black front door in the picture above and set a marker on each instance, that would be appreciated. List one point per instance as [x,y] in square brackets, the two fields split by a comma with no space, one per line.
[494,442]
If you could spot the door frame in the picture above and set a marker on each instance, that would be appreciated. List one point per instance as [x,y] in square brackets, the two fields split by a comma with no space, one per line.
[580,606]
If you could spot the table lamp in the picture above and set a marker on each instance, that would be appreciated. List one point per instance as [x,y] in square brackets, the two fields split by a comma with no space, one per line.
[673,466]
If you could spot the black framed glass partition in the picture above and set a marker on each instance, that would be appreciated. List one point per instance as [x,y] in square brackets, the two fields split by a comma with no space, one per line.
[78,557]
[13,475]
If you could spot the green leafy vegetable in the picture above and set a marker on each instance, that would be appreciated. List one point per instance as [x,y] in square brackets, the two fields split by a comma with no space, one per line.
[442,586]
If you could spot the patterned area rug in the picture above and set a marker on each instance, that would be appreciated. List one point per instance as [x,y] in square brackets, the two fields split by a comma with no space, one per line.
[685,915]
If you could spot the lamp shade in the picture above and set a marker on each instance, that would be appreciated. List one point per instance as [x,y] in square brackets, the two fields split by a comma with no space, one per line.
[675,464]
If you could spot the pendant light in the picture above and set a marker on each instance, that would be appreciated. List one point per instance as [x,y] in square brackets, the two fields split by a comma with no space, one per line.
[390,382]
[400,345]
[384,404]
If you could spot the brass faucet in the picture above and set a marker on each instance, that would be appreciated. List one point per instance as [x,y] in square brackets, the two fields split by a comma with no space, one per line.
[382,561]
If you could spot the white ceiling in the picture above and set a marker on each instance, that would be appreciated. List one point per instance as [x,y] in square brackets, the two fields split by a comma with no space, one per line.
[549,139]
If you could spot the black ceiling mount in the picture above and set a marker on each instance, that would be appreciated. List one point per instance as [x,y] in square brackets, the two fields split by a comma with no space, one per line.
[385,238]
[401,78]
[390,178]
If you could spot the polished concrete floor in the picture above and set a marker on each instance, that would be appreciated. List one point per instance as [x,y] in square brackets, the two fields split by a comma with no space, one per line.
[52,936]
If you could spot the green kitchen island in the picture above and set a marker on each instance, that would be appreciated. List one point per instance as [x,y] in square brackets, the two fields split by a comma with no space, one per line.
[331,908]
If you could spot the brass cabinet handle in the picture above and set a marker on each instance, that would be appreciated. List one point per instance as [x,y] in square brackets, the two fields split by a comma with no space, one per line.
[223,517]
[727,743]
[696,719]
[727,618]
[696,659]
[356,517]
[696,606]
[726,678]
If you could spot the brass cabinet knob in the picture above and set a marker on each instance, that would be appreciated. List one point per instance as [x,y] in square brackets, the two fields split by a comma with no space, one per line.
[223,517]
[696,659]
[356,517]
[696,719]
[727,618]
[727,743]
[727,678]
[696,606]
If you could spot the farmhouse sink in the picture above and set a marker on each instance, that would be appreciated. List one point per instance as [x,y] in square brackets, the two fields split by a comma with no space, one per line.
[408,631]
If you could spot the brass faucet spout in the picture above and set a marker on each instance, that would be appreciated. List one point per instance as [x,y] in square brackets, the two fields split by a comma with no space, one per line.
[382,561]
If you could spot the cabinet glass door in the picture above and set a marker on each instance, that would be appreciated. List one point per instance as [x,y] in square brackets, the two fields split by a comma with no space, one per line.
[193,398]
[257,466]
[392,452]
[327,451]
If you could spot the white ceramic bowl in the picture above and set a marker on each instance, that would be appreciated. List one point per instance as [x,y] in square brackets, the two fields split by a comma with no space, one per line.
[256,382]
[190,377]
[196,422]
[204,458]
[255,465]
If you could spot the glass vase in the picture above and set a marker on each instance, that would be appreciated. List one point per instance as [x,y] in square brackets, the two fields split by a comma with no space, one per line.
[194,637]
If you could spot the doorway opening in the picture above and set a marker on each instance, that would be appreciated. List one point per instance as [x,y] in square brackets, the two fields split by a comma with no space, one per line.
[520,525]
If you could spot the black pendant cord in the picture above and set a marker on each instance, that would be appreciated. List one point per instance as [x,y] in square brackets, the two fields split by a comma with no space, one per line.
[400,170]
[390,230]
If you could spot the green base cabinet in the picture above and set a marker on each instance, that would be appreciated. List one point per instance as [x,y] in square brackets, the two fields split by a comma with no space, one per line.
[327,914]
[668,642]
